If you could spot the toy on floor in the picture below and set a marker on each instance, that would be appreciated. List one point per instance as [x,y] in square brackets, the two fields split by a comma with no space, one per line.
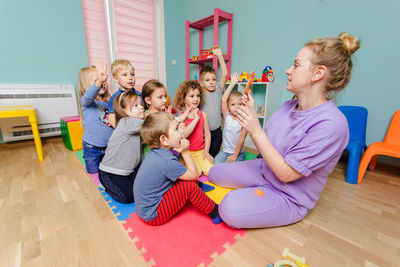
[291,260]
[71,132]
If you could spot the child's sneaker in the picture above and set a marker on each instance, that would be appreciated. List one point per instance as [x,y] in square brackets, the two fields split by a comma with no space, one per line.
[206,187]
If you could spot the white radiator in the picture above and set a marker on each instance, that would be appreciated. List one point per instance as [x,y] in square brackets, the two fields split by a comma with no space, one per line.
[51,101]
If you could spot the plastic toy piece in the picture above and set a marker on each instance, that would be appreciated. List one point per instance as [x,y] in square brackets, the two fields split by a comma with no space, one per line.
[249,82]
[300,261]
[259,192]
[284,263]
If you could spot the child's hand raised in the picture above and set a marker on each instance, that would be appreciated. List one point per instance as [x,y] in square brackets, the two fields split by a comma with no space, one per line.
[235,78]
[217,51]
[101,72]
[182,117]
[183,146]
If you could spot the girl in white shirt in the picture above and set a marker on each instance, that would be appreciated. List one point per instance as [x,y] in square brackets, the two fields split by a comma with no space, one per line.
[233,134]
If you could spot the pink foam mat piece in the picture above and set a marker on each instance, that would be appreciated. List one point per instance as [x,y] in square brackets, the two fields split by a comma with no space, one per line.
[203,178]
[188,239]
[95,178]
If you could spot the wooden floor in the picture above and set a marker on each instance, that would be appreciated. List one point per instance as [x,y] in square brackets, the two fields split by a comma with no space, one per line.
[51,214]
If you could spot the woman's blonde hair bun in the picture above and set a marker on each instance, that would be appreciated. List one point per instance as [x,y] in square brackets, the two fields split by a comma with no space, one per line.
[351,43]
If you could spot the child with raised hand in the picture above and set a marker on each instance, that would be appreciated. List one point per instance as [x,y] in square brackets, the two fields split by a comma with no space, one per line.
[122,159]
[93,105]
[213,95]
[161,192]
[190,95]
[233,133]
[124,75]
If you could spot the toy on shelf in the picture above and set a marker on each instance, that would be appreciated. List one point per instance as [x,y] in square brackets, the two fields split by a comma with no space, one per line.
[260,110]
[206,53]
[244,77]
[268,74]
[195,58]
[195,78]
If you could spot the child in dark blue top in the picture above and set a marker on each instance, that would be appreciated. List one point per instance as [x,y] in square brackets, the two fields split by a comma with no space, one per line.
[163,185]
[124,75]
[93,95]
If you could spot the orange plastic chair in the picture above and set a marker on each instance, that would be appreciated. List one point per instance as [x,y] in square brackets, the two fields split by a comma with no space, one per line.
[389,147]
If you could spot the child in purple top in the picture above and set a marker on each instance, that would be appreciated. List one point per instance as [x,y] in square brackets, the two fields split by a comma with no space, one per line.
[300,145]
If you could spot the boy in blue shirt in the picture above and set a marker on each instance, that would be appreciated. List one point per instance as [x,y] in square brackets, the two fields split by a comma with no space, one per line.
[124,75]
[163,185]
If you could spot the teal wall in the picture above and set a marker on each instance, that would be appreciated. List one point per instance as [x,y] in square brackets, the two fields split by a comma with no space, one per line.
[267,32]
[41,41]
[175,43]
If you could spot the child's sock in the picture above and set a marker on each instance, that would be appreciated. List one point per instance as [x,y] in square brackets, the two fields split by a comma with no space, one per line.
[206,187]
[215,218]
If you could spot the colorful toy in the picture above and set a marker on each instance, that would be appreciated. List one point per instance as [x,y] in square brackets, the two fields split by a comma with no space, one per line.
[206,53]
[290,261]
[268,74]
[300,261]
[71,132]
[249,82]
[195,58]
[244,77]
[260,110]
[195,78]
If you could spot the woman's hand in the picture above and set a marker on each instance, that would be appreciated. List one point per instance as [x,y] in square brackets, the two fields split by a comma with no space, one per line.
[247,116]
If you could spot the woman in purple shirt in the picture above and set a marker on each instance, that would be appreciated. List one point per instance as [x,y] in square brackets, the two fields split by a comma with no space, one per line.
[300,145]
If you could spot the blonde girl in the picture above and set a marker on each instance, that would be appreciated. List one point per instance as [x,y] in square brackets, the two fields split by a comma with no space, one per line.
[122,159]
[190,96]
[93,105]
[233,133]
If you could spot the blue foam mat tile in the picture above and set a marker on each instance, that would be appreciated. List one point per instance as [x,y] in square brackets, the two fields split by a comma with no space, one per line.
[125,210]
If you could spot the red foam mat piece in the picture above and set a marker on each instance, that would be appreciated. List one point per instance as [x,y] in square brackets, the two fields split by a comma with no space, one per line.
[188,239]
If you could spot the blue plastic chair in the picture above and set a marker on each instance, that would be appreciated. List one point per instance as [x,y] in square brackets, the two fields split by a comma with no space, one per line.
[357,120]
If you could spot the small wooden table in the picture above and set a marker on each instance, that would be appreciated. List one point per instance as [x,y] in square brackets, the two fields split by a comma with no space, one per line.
[25,111]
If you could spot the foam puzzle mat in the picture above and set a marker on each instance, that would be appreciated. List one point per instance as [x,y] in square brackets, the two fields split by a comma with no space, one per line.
[188,239]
